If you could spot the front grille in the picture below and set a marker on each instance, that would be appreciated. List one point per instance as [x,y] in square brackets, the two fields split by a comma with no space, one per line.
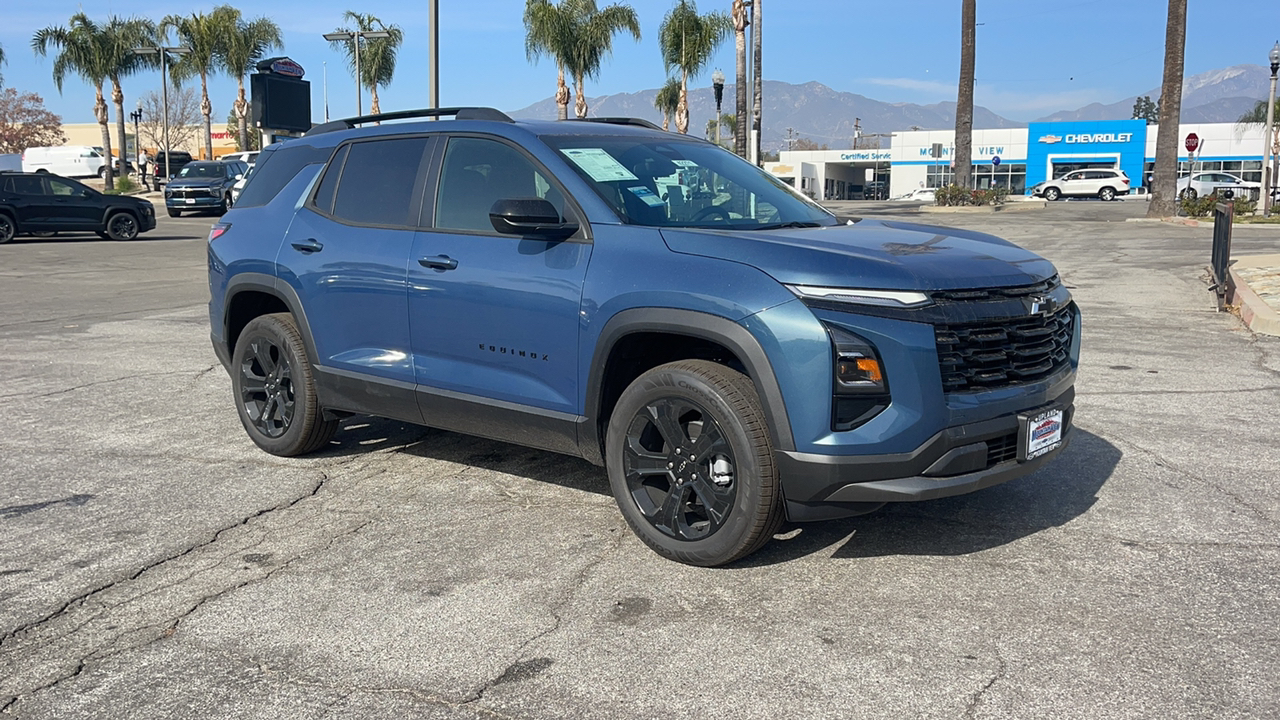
[1002,449]
[183,193]
[996,354]
[981,294]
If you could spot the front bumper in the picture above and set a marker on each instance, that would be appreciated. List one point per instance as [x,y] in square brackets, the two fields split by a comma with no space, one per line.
[955,461]
[192,203]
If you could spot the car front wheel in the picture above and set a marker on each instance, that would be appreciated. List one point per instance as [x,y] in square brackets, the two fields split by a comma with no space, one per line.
[8,229]
[122,226]
[274,389]
[1189,194]
[690,463]
[1052,194]
[1107,194]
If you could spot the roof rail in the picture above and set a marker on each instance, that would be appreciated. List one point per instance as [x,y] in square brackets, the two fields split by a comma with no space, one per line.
[638,122]
[458,113]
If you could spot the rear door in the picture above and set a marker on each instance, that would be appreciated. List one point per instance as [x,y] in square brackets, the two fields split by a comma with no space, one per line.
[27,195]
[346,254]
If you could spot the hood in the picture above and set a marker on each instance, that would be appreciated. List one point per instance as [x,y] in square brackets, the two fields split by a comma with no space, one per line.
[871,254]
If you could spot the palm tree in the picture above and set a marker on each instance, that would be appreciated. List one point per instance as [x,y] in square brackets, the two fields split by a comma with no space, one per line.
[122,36]
[246,43]
[205,35]
[740,22]
[377,55]
[1257,114]
[962,162]
[666,100]
[1164,183]
[82,47]
[2,62]
[579,35]
[728,123]
[688,40]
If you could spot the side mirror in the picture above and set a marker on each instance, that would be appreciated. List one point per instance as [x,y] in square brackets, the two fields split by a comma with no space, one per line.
[529,216]
[237,177]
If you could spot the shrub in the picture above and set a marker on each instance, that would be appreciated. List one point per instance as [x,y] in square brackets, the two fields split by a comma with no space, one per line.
[951,195]
[125,185]
[1199,207]
[1246,206]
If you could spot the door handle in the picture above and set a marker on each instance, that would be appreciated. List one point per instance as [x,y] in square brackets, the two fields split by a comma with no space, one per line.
[439,262]
[308,246]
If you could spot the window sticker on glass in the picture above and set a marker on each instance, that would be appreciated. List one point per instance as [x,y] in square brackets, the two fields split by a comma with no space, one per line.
[646,195]
[685,163]
[598,164]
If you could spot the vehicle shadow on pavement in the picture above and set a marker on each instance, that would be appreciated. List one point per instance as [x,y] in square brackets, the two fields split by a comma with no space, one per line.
[1053,496]
[363,434]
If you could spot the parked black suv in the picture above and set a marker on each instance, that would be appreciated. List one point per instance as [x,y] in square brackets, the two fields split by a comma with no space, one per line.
[177,161]
[42,203]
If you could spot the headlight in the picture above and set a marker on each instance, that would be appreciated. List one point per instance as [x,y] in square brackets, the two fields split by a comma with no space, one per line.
[215,192]
[883,298]
[860,387]
[168,193]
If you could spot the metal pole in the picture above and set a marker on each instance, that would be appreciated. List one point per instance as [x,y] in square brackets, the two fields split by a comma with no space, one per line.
[359,85]
[164,91]
[326,91]
[1268,175]
[433,51]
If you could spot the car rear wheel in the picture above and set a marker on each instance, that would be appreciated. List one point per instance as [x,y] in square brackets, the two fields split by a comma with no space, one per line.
[1107,194]
[8,229]
[122,226]
[274,389]
[1189,194]
[690,463]
[1052,194]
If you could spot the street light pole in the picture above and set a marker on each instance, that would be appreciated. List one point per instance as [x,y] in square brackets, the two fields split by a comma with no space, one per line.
[1269,152]
[136,116]
[717,83]
[163,52]
[354,36]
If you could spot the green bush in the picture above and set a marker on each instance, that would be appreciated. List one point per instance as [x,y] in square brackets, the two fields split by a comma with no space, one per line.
[1200,206]
[125,185]
[1246,206]
[951,195]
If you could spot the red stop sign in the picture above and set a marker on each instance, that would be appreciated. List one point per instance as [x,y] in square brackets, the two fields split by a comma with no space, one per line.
[1193,142]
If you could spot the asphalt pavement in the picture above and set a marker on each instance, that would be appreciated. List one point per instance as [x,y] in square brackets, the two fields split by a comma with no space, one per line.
[155,564]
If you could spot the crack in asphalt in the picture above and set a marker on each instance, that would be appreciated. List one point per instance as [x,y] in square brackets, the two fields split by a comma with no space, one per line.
[980,694]
[96,383]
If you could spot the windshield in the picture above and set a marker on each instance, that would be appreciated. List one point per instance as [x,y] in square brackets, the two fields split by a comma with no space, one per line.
[213,170]
[682,183]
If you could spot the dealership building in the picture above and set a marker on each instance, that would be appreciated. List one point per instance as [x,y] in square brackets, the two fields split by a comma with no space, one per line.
[1018,158]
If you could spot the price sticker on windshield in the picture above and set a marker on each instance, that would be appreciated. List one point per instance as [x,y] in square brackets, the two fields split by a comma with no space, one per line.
[598,164]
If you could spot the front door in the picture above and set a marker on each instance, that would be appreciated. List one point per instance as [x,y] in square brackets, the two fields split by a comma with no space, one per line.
[346,255]
[73,206]
[495,317]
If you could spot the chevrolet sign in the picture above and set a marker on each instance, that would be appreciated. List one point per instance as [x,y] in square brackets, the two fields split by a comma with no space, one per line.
[1100,138]
[1050,139]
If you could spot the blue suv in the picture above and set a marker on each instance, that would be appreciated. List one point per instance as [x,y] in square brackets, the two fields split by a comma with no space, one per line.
[732,353]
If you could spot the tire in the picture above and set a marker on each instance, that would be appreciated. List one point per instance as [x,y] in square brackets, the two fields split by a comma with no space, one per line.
[274,391]
[122,226]
[1052,194]
[8,228]
[1188,193]
[222,210]
[1107,194]
[174,213]
[102,172]
[660,453]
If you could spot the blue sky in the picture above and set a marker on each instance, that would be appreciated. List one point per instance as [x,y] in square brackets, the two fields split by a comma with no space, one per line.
[1032,59]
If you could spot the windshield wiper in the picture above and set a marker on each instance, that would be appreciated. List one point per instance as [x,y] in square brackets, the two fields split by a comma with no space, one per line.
[792,224]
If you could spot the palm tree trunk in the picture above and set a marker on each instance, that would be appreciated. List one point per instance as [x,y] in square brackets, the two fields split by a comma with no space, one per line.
[1164,184]
[757,42]
[104,121]
[562,96]
[740,44]
[375,107]
[580,105]
[682,107]
[117,97]
[206,109]
[666,122]
[962,162]
[242,115]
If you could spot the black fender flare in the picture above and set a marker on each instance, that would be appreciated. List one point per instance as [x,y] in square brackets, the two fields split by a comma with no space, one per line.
[269,285]
[694,324]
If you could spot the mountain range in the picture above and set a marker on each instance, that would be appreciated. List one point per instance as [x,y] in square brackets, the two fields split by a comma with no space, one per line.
[826,116]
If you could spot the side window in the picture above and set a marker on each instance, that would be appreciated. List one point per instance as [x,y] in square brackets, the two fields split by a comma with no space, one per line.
[27,185]
[61,188]
[477,173]
[378,180]
[329,183]
[275,171]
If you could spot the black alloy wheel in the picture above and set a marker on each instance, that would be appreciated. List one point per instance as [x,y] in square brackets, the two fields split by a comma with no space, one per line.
[7,229]
[122,226]
[679,469]
[690,463]
[274,389]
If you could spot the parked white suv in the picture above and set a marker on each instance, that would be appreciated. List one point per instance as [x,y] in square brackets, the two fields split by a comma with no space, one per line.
[1102,183]
[1204,183]
[249,157]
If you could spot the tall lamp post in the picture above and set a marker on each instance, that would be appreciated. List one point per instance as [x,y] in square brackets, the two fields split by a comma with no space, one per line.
[163,52]
[717,83]
[1270,138]
[136,117]
[354,36]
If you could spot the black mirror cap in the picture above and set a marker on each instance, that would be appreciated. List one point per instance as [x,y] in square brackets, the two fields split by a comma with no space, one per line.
[529,216]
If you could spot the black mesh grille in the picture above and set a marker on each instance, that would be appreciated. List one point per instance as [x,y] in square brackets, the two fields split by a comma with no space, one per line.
[996,354]
[1002,449]
[981,294]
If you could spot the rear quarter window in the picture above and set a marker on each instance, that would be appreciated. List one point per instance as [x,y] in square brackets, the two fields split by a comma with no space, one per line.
[275,171]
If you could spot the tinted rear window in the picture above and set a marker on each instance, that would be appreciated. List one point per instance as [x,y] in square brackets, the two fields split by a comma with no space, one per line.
[378,181]
[275,170]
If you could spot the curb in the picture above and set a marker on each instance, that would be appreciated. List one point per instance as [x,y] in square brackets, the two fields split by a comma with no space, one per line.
[1259,316]
[1019,206]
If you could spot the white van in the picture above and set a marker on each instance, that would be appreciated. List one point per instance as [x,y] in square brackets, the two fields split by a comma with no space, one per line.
[65,160]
